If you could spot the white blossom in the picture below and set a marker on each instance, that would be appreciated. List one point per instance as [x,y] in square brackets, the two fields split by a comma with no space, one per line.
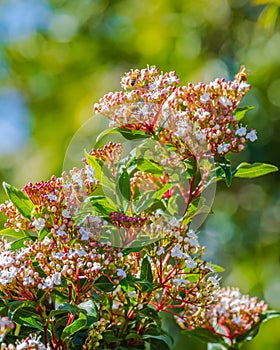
[39,223]
[241,131]
[205,97]
[66,214]
[177,252]
[121,273]
[226,102]
[252,136]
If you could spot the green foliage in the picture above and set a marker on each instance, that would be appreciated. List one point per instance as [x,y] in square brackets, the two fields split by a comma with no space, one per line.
[246,170]
[21,201]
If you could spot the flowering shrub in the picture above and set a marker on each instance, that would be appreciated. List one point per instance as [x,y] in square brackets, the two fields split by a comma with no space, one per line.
[91,260]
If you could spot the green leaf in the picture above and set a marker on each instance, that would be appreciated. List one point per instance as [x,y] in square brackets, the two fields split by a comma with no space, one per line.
[96,164]
[8,232]
[204,335]
[134,134]
[109,337]
[104,284]
[215,267]
[124,185]
[146,270]
[127,251]
[20,200]
[149,166]
[101,204]
[16,245]
[90,308]
[103,134]
[241,112]
[135,282]
[74,327]
[158,342]
[223,169]
[246,170]
[30,321]
[58,313]
[68,307]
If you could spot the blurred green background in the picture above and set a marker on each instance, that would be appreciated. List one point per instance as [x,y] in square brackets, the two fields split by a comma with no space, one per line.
[58,57]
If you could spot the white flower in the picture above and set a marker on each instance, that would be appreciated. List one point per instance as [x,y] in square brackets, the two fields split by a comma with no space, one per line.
[205,97]
[52,197]
[23,345]
[172,80]
[60,233]
[121,273]
[160,251]
[177,252]
[132,294]
[47,283]
[243,85]
[174,222]
[116,304]
[180,281]
[85,235]
[77,177]
[46,241]
[96,266]
[237,320]
[190,263]
[223,148]
[39,223]
[90,172]
[28,281]
[56,278]
[226,102]
[7,276]
[213,280]
[201,113]
[201,136]
[66,214]
[241,131]
[6,260]
[252,136]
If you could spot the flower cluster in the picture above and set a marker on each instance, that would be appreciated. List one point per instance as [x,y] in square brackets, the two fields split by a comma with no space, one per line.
[32,342]
[207,112]
[234,313]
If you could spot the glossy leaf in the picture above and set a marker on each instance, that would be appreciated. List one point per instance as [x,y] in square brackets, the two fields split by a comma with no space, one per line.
[104,284]
[246,170]
[74,327]
[146,270]
[242,111]
[149,166]
[90,308]
[20,200]
[204,335]
[101,204]
[223,169]
[29,321]
[161,342]
[16,245]
[124,185]
[96,164]
[9,232]
[134,134]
